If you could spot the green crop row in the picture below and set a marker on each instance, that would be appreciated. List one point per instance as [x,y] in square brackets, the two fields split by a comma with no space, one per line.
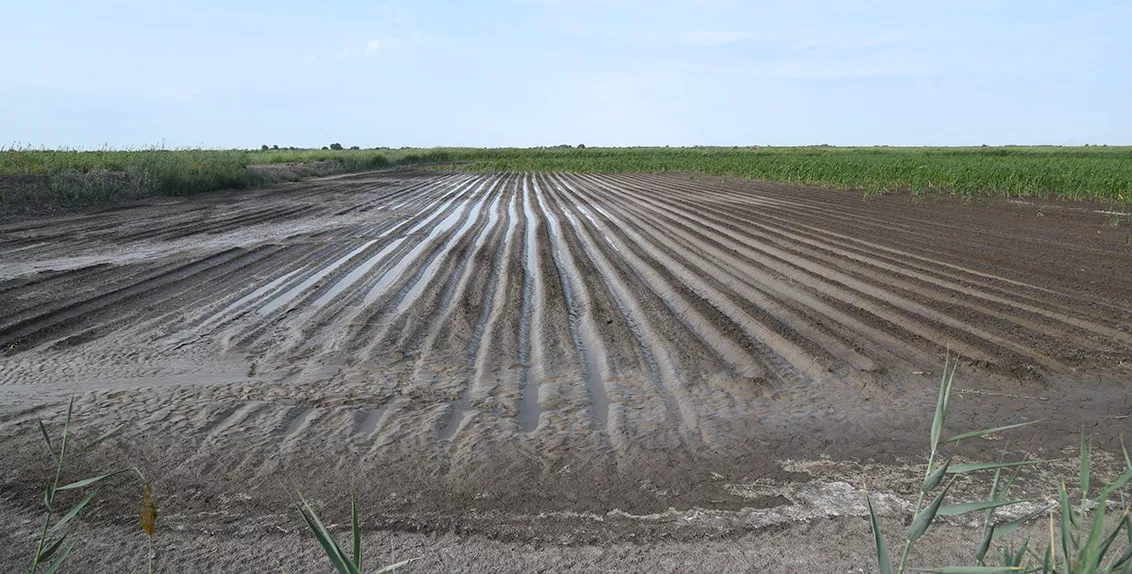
[1100,173]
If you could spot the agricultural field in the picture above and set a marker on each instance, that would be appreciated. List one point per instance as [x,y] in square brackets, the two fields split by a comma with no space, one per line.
[44,181]
[549,348]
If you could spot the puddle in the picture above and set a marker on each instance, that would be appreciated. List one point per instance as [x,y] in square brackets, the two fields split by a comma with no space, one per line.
[370,422]
[410,258]
[459,413]
[295,291]
[529,409]
[595,225]
[434,267]
[358,273]
[579,317]
[260,292]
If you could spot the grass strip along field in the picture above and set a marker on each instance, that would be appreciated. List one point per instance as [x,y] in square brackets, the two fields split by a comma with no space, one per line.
[44,180]
[1100,173]
[36,181]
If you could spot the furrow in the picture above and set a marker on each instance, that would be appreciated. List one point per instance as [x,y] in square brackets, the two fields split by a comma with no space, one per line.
[530,359]
[799,211]
[653,348]
[668,289]
[798,358]
[931,283]
[24,334]
[331,320]
[858,289]
[496,337]
[171,300]
[756,299]
[591,353]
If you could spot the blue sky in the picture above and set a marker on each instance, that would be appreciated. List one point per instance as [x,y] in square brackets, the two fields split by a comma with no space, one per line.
[526,73]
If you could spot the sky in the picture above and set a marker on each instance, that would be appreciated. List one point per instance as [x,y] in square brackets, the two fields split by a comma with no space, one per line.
[129,74]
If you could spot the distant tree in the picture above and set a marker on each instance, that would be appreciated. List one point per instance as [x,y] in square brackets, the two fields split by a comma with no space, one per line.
[581,146]
[263,147]
[324,147]
[274,147]
[354,147]
[336,146]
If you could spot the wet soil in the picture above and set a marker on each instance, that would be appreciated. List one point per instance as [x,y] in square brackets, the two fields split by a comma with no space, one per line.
[532,357]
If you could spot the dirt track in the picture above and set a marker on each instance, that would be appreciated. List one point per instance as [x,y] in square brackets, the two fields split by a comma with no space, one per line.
[514,355]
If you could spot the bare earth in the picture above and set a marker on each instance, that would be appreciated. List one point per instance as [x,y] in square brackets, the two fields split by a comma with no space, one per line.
[546,371]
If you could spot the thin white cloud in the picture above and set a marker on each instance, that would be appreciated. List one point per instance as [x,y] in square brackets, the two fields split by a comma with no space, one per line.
[373,46]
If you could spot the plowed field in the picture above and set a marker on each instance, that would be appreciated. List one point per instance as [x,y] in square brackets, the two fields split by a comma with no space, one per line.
[527,355]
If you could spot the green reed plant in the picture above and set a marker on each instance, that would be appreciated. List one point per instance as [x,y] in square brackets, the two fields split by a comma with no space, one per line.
[343,563]
[49,551]
[1084,545]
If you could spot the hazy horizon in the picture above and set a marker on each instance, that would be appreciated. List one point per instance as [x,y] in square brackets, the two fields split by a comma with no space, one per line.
[543,73]
[161,147]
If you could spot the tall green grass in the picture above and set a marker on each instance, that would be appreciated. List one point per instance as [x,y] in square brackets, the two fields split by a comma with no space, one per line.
[192,170]
[44,180]
[1102,173]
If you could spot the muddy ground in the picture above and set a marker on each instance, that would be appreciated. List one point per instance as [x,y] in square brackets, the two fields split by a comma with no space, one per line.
[511,364]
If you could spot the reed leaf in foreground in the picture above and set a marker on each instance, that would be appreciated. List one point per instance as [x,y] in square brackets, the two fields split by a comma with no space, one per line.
[1084,469]
[985,545]
[973,570]
[1005,528]
[1127,459]
[933,479]
[958,509]
[357,530]
[105,436]
[338,558]
[965,468]
[73,511]
[58,563]
[985,432]
[924,518]
[878,538]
